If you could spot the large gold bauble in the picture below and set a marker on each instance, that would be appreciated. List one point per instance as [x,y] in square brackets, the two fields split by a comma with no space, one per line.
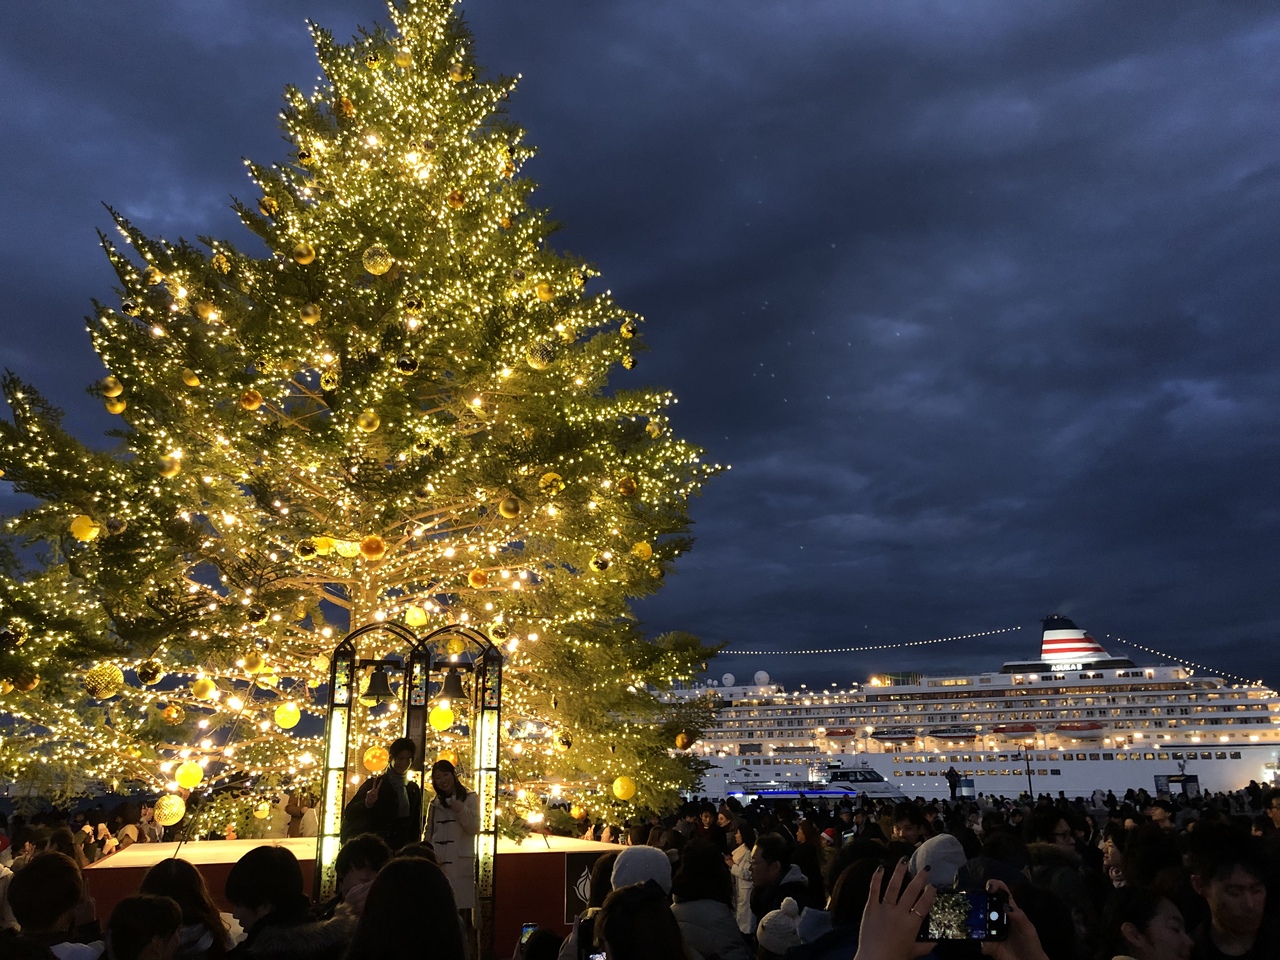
[628,329]
[262,811]
[190,377]
[251,400]
[457,72]
[403,58]
[541,355]
[449,755]
[173,714]
[377,259]
[347,549]
[375,759]
[653,430]
[268,206]
[204,689]
[551,483]
[455,646]
[415,616]
[309,313]
[545,291]
[149,672]
[112,387]
[456,199]
[169,467]
[169,809]
[577,812]
[599,563]
[683,741]
[441,718]
[330,379]
[373,547]
[642,549]
[153,275]
[85,528]
[478,579]
[304,253]
[115,404]
[254,662]
[324,545]
[509,508]
[287,715]
[189,774]
[624,788]
[626,487]
[220,262]
[103,681]
[26,681]
[368,420]
[346,108]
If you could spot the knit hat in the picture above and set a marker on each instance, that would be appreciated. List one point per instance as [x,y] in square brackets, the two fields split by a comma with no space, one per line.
[777,931]
[830,835]
[638,864]
[944,857]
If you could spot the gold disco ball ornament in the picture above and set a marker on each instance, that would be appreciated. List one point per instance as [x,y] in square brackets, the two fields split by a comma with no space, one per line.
[477,579]
[373,548]
[347,549]
[375,759]
[551,483]
[624,788]
[377,259]
[251,400]
[150,672]
[103,681]
[545,291]
[169,467]
[287,715]
[169,809]
[85,528]
[541,355]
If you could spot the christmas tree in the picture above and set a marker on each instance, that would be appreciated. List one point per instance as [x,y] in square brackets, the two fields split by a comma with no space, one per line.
[401,412]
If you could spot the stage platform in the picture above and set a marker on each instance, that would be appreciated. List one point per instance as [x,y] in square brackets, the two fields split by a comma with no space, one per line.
[542,880]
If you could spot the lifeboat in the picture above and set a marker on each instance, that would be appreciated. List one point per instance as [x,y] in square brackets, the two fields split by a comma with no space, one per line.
[1014,731]
[1087,730]
[895,736]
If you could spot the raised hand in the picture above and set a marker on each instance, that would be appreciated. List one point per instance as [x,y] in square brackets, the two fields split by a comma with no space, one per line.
[1023,942]
[890,926]
[371,797]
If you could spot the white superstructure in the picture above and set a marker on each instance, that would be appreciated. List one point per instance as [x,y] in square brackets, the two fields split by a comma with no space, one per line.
[1073,720]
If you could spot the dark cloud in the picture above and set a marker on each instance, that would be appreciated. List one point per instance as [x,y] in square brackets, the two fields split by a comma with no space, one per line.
[977,298]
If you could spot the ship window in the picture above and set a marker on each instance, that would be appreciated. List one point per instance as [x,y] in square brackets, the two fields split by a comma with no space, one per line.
[1222,755]
[1055,773]
[1107,756]
[1005,772]
[1235,754]
[1065,756]
[1162,756]
[1042,772]
[992,773]
[1177,756]
[897,773]
[1206,756]
[1148,756]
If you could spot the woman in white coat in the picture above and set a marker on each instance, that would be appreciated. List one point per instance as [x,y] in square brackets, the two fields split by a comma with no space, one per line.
[453,821]
[744,837]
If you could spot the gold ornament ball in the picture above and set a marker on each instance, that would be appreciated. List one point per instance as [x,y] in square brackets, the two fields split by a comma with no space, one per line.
[653,430]
[505,223]
[324,545]
[404,58]
[329,379]
[309,313]
[262,811]
[190,377]
[500,631]
[599,563]
[455,646]
[545,291]
[441,718]
[373,547]
[683,741]
[375,759]
[642,549]
[268,206]
[368,421]
[304,253]
[254,662]
[347,549]
[204,689]
[287,715]
[306,550]
[205,310]
[170,467]
[220,263]
[541,355]
[173,714]
[377,259]
[624,788]
[626,487]
[509,508]
[115,404]
[130,307]
[112,387]
[6,688]
[551,483]
[150,672]
[189,774]
[628,362]
[563,742]
[577,812]
[415,616]
[251,400]
[26,681]
[169,809]
[478,579]
[84,528]
[103,681]
[153,275]
[457,72]
[456,199]
[628,329]
[346,108]
[449,755]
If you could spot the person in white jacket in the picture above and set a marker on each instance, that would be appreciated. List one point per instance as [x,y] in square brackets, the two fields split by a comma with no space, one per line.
[744,835]
[453,822]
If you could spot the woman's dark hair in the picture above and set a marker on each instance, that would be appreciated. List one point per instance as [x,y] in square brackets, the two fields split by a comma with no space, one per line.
[43,891]
[703,875]
[422,849]
[1136,905]
[850,891]
[747,830]
[266,875]
[61,839]
[183,883]
[411,898]
[637,924]
[543,944]
[444,766]
[601,879]
[138,920]
[366,850]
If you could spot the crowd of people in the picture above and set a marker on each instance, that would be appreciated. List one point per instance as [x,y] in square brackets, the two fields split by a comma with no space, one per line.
[1142,877]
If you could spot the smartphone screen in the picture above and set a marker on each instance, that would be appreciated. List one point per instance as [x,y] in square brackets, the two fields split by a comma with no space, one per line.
[967,916]
[526,932]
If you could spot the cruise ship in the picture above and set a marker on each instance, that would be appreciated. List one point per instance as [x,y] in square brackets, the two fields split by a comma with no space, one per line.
[1074,720]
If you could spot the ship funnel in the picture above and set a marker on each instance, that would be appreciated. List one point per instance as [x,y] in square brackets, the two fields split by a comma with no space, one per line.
[1062,641]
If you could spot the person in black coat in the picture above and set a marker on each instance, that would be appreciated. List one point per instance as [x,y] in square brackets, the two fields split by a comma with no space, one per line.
[389,805]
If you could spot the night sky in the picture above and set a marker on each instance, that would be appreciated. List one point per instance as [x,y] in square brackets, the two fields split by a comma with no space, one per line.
[979,299]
